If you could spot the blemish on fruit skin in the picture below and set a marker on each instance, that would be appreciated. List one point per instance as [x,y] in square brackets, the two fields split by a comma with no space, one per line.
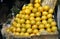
[33,20]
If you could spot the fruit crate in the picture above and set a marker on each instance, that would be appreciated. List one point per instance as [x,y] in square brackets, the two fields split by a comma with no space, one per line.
[36,37]
[54,36]
[42,36]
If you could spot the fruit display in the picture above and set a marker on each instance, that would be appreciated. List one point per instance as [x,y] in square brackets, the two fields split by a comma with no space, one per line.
[32,20]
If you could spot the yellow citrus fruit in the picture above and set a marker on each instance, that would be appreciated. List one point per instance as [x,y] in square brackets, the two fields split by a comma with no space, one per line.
[51,11]
[54,28]
[23,30]
[35,31]
[36,5]
[24,7]
[13,29]
[17,20]
[32,21]
[46,8]
[32,15]
[22,21]
[21,34]
[41,26]
[32,18]
[47,25]
[30,4]
[38,23]
[18,25]
[23,12]
[17,15]
[26,16]
[44,17]
[27,11]
[17,33]
[48,30]
[34,27]
[53,23]
[20,12]
[14,23]
[27,26]
[18,29]
[26,34]
[38,14]
[23,16]
[32,34]
[49,16]
[34,10]
[50,20]
[44,13]
[40,9]
[23,25]
[44,21]
[28,22]
[29,30]
[20,15]
[38,19]
[37,1]
[30,7]
[38,33]
[41,30]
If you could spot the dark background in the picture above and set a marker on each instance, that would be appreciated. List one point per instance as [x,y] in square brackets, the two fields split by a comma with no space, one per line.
[7,5]
[5,10]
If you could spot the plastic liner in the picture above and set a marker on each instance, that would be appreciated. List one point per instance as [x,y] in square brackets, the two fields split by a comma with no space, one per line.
[51,3]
